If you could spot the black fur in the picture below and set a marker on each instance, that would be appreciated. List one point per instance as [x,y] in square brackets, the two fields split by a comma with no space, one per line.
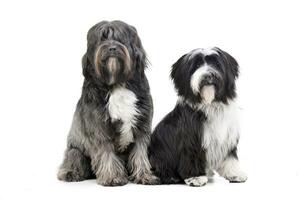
[176,151]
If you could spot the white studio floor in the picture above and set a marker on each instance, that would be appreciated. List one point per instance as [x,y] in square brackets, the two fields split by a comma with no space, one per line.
[257,187]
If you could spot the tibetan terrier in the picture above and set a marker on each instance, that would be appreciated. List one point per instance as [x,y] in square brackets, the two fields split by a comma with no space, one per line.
[201,134]
[111,126]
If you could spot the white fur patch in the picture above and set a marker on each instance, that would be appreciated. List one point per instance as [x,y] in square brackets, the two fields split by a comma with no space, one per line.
[206,51]
[197,77]
[208,94]
[230,169]
[196,181]
[221,135]
[221,131]
[122,106]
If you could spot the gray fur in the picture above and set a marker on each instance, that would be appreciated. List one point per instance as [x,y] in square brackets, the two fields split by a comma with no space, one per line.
[105,141]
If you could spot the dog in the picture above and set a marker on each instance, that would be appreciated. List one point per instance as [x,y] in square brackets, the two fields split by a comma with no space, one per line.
[111,126]
[200,135]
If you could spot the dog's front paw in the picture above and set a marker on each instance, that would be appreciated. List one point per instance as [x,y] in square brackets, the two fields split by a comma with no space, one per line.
[115,181]
[238,177]
[145,179]
[196,181]
[69,175]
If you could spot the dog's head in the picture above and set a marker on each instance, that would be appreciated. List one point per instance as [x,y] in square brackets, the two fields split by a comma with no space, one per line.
[114,53]
[206,76]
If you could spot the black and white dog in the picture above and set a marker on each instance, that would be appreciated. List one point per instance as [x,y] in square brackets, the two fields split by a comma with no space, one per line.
[111,127]
[201,134]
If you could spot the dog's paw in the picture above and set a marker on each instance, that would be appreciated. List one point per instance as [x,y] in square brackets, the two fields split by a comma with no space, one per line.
[145,179]
[196,181]
[239,177]
[116,181]
[69,175]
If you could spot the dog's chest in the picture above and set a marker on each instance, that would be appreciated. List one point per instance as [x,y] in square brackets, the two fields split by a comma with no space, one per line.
[122,106]
[221,134]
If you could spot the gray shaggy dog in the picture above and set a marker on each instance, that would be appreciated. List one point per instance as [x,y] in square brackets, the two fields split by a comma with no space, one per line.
[111,126]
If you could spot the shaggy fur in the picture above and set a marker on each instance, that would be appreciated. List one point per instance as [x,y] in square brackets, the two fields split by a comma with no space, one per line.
[112,122]
[201,134]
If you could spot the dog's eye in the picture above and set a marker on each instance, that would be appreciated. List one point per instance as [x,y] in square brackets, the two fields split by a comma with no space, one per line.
[193,68]
[218,66]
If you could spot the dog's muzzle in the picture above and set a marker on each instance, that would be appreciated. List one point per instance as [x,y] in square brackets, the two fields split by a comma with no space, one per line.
[208,79]
[208,88]
[112,62]
[205,82]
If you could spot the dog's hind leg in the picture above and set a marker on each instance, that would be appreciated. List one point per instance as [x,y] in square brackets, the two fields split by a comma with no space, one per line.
[139,165]
[75,166]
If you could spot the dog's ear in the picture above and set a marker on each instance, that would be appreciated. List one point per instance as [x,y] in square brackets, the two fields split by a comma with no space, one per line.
[85,65]
[140,55]
[176,67]
[232,73]
[229,61]
[179,75]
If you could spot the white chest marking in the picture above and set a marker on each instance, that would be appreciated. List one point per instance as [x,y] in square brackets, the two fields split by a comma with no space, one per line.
[122,106]
[221,132]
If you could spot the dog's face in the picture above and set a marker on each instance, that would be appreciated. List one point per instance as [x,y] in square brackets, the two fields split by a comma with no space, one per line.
[114,53]
[206,76]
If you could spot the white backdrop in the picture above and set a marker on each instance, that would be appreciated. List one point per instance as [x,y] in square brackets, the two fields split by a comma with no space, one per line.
[41,45]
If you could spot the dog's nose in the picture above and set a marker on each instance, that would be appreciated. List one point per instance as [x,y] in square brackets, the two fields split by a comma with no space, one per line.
[208,79]
[112,48]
